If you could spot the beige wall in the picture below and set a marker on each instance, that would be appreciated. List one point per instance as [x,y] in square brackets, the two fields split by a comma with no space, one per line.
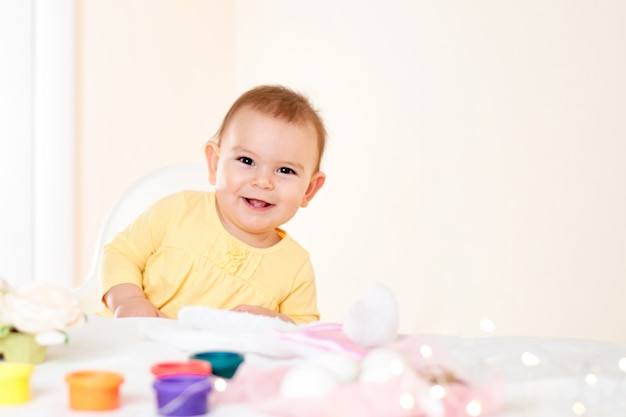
[476,150]
[155,77]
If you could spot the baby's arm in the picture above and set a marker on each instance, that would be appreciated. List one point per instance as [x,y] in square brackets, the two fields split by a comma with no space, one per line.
[301,303]
[129,300]
[124,260]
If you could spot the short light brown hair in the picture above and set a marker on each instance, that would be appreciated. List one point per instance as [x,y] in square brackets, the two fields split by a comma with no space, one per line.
[282,103]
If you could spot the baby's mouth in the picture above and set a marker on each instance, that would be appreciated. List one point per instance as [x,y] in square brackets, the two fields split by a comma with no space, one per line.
[257,203]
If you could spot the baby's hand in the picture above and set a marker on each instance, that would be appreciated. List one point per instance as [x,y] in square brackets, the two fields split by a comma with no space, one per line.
[262,311]
[137,307]
[129,300]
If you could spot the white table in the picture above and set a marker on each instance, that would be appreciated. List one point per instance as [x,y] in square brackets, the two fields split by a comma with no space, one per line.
[549,389]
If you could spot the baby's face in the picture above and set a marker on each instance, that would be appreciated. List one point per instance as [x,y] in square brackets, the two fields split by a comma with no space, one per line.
[266,170]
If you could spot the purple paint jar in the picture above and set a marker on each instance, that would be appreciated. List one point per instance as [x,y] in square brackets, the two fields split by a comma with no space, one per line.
[182,395]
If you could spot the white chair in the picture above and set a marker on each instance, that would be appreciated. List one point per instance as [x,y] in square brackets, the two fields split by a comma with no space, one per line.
[138,197]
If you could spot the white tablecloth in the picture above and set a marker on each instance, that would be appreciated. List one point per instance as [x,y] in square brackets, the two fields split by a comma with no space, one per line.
[570,373]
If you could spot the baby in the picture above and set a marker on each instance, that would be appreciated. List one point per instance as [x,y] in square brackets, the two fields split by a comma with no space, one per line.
[225,249]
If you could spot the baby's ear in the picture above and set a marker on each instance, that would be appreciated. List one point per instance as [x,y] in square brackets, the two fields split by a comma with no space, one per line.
[315,183]
[212,153]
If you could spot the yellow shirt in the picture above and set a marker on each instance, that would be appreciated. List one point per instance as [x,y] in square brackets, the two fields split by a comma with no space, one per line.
[179,253]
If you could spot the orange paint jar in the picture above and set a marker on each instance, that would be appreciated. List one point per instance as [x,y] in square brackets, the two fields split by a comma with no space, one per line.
[94,390]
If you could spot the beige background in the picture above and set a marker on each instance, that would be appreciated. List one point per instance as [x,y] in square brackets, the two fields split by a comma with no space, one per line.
[476,150]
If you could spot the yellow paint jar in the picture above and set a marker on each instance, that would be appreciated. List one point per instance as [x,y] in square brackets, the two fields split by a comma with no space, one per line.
[15,382]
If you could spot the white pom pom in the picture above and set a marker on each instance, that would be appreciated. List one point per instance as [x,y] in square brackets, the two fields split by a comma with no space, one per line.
[373,320]
[343,368]
[307,380]
[382,364]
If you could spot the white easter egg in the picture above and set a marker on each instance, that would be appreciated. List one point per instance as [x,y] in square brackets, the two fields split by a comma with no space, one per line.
[307,380]
[343,368]
[380,365]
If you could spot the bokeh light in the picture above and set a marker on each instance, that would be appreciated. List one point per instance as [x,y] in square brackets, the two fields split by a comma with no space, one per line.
[426,351]
[579,409]
[437,391]
[487,325]
[220,384]
[474,408]
[530,359]
[407,401]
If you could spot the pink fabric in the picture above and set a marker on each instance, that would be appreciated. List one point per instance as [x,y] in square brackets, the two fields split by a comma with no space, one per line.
[251,385]
[260,389]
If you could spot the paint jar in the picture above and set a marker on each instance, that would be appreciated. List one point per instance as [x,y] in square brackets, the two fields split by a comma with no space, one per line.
[15,382]
[181,368]
[94,390]
[182,395]
[224,364]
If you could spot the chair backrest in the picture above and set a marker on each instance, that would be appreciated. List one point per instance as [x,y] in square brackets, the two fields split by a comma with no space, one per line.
[137,198]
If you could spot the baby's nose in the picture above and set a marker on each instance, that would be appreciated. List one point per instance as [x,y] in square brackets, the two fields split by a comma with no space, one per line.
[263,181]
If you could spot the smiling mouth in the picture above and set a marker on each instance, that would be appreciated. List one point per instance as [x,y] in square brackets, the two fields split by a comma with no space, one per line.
[258,203]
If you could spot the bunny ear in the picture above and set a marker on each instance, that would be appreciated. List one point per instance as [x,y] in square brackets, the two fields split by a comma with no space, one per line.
[324,337]
[373,320]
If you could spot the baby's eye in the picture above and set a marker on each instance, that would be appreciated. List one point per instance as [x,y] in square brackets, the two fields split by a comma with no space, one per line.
[285,170]
[246,160]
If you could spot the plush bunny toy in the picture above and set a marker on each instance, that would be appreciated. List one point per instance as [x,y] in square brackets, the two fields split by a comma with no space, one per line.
[358,367]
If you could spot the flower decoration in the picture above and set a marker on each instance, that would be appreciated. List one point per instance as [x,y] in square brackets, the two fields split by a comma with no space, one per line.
[43,310]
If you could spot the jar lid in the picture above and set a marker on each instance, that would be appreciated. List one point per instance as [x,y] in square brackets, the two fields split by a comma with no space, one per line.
[224,364]
[190,367]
